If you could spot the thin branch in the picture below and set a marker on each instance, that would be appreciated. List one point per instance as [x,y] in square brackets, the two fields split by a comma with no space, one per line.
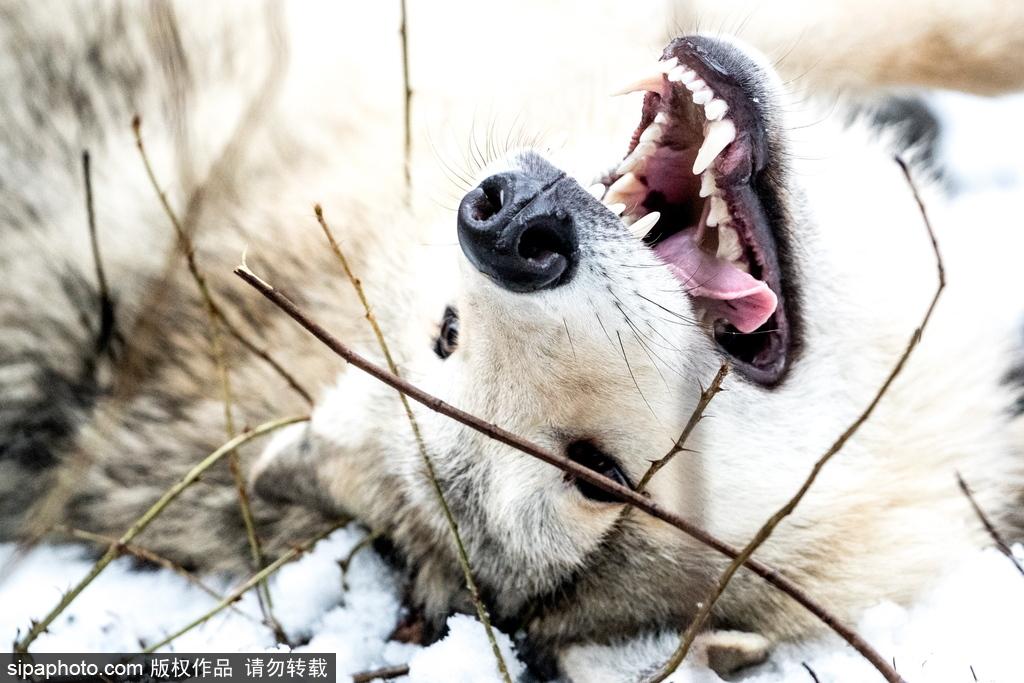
[620,492]
[997,538]
[428,464]
[385,673]
[106,330]
[145,555]
[345,562]
[220,359]
[186,242]
[256,579]
[407,101]
[766,530]
[137,527]
[696,416]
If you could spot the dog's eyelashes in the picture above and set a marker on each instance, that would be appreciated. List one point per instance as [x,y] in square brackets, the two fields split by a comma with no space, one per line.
[447,339]
[593,458]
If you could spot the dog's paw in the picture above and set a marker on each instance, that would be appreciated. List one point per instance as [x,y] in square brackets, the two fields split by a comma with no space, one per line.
[721,652]
[726,652]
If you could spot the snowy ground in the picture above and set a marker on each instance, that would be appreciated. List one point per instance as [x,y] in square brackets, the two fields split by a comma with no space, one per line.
[971,619]
[970,627]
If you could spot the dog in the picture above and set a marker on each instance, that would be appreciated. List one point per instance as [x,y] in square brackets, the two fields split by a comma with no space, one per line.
[747,224]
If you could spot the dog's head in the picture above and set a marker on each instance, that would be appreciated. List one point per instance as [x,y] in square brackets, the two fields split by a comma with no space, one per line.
[589,314]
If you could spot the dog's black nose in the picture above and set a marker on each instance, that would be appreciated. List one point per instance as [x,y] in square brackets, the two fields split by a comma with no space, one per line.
[513,230]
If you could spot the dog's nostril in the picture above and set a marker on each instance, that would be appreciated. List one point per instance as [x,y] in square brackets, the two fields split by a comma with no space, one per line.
[489,203]
[540,242]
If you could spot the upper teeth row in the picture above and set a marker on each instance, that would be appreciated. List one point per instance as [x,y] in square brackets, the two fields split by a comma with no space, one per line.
[671,71]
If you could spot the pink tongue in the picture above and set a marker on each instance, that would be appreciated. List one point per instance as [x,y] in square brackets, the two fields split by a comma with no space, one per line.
[727,291]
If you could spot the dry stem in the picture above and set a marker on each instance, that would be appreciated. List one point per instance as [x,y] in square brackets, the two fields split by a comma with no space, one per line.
[220,358]
[696,416]
[997,538]
[137,527]
[385,673]
[143,554]
[232,329]
[428,464]
[766,530]
[407,110]
[625,494]
[256,579]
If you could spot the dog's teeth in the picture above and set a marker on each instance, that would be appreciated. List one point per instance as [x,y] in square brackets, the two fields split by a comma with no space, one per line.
[707,184]
[637,159]
[719,211]
[715,109]
[702,97]
[729,248]
[653,81]
[717,136]
[652,133]
[683,75]
[623,189]
[695,85]
[661,118]
[642,226]
[597,190]
[617,209]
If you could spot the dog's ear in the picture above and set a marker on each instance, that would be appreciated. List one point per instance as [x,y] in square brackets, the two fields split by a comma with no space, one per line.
[288,471]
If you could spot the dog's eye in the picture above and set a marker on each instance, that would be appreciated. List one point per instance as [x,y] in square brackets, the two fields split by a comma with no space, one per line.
[593,458]
[448,338]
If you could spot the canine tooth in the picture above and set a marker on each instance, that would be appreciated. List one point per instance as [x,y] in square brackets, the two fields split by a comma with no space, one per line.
[653,80]
[623,188]
[638,159]
[642,226]
[654,83]
[719,211]
[683,75]
[717,135]
[715,109]
[597,190]
[661,118]
[707,184]
[694,86]
[652,133]
[703,96]
[617,209]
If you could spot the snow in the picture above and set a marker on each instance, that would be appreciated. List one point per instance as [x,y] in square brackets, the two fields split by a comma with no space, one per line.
[972,618]
[967,627]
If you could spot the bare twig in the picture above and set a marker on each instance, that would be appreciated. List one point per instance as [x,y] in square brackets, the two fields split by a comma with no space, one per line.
[696,416]
[407,109]
[220,358]
[38,627]
[254,580]
[143,554]
[428,464]
[766,530]
[345,562]
[197,275]
[620,492]
[106,330]
[997,538]
[385,673]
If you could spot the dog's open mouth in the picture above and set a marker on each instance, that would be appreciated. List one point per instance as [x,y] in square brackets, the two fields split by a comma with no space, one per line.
[689,188]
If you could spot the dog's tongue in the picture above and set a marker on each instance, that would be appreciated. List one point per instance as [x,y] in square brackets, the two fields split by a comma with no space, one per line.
[728,292]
